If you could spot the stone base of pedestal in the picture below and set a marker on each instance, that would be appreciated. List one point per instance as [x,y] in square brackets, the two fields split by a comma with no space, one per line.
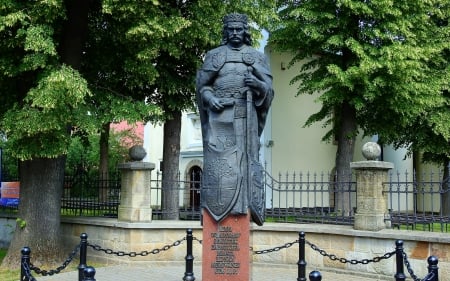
[226,248]
[129,214]
[371,222]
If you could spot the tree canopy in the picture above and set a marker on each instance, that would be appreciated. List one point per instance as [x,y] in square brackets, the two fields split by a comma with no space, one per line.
[41,95]
[387,59]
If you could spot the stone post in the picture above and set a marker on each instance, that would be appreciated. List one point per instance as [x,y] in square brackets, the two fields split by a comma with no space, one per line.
[135,191]
[372,207]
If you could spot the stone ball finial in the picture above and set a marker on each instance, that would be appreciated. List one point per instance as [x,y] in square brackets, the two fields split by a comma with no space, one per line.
[137,153]
[371,151]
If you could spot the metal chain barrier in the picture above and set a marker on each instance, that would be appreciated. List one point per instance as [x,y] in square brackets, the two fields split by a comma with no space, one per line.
[333,257]
[351,261]
[408,267]
[59,268]
[401,256]
[198,240]
[27,272]
[135,254]
[325,254]
[274,249]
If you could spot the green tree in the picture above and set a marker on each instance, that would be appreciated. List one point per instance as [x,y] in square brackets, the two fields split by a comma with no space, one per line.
[50,93]
[85,151]
[118,77]
[377,65]
[44,96]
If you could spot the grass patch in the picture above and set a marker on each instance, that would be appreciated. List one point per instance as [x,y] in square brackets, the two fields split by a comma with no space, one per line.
[2,254]
[280,219]
[8,275]
[429,227]
[14,275]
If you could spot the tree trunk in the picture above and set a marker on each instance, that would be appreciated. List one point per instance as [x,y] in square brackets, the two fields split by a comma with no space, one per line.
[104,161]
[75,32]
[170,171]
[38,219]
[42,179]
[445,203]
[346,146]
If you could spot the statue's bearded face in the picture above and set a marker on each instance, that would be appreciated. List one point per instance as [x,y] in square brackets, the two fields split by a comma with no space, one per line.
[235,32]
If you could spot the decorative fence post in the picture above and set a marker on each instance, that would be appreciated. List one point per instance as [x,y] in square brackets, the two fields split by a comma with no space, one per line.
[89,274]
[301,257]
[135,194]
[25,264]
[189,274]
[371,207]
[400,275]
[83,252]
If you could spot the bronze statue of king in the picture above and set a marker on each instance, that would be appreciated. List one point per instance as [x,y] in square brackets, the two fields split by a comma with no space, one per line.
[234,93]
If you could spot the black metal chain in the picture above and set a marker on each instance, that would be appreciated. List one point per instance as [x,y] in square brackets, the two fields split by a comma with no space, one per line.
[59,268]
[351,261]
[274,249]
[135,254]
[178,242]
[198,240]
[259,252]
[28,272]
[408,267]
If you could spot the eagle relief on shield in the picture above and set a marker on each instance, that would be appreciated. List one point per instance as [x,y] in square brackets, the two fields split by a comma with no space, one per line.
[222,181]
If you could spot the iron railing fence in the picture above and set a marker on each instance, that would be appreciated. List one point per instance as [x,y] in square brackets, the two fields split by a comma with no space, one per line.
[414,201]
[311,198]
[419,201]
[91,194]
[186,189]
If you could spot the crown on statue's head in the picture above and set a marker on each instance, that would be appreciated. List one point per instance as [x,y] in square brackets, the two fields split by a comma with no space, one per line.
[235,17]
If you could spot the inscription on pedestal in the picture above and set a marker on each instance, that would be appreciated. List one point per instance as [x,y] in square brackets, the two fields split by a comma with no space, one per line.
[225,244]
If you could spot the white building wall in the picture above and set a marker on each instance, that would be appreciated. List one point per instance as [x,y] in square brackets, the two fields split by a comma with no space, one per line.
[402,198]
[153,144]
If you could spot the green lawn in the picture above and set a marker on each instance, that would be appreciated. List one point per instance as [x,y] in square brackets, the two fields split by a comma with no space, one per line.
[431,227]
[8,275]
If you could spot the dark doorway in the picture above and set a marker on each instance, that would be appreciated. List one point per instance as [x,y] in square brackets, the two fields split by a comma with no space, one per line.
[195,179]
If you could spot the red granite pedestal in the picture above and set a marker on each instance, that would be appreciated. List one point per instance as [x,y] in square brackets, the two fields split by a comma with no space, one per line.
[226,248]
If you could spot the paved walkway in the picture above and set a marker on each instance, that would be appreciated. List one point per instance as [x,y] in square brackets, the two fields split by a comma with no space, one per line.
[175,272]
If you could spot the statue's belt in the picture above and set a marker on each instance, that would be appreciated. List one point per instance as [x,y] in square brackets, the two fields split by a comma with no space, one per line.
[237,93]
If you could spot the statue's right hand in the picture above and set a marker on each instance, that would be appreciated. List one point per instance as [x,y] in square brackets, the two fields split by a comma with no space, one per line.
[215,104]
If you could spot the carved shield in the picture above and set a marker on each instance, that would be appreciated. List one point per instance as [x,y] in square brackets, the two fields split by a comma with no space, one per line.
[222,180]
[257,194]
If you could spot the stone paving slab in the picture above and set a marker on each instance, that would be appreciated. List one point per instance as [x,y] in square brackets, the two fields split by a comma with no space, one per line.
[175,272]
